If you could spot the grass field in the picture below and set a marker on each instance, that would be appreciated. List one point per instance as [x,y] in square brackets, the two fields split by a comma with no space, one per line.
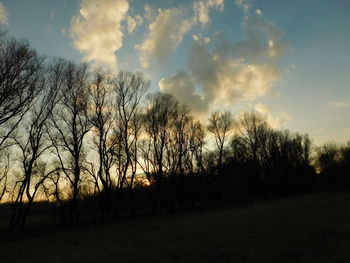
[314,228]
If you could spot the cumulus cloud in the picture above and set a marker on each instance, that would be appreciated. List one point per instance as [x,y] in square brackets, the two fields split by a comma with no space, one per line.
[226,72]
[168,28]
[182,86]
[97,30]
[165,34]
[225,79]
[3,14]
[202,9]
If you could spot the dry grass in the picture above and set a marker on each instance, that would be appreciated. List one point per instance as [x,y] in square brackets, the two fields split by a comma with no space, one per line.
[313,228]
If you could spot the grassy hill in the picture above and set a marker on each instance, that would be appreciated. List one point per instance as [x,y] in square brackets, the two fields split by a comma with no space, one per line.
[313,228]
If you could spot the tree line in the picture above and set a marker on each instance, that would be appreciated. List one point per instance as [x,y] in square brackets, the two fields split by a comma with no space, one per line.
[91,142]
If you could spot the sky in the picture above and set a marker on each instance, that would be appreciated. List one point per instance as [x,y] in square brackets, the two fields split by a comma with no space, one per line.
[289,60]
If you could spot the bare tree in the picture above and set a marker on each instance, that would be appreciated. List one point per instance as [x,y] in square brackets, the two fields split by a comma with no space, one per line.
[130,89]
[136,123]
[4,175]
[105,140]
[196,140]
[253,128]
[178,151]
[20,81]
[220,125]
[182,124]
[32,142]
[146,162]
[159,116]
[54,190]
[254,131]
[70,123]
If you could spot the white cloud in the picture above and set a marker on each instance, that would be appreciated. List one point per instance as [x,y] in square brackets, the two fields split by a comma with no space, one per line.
[199,37]
[165,34]
[168,28]
[97,30]
[231,72]
[182,86]
[133,22]
[227,73]
[150,12]
[245,5]
[276,122]
[3,14]
[202,9]
[226,79]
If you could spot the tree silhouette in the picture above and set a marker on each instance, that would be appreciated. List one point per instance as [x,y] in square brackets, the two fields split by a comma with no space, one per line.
[21,78]
[51,114]
[160,111]
[32,141]
[130,89]
[70,123]
[220,125]
[104,123]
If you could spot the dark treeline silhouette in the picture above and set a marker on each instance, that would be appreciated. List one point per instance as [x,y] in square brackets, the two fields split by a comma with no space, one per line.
[333,161]
[93,143]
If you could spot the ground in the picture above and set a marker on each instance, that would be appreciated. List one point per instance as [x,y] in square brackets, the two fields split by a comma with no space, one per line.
[312,228]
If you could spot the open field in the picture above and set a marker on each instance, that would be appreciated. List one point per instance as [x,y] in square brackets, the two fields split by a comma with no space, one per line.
[314,228]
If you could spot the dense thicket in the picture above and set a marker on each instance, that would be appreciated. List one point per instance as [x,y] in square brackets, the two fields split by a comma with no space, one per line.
[95,143]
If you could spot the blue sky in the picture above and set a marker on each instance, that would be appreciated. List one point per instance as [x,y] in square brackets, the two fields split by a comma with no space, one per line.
[288,59]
